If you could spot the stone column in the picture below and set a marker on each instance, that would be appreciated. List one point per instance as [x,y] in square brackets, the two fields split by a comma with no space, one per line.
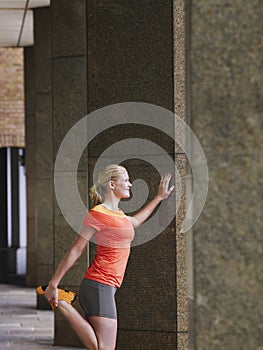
[15,241]
[44,149]
[224,87]
[55,85]
[91,55]
[69,95]
[3,217]
[29,69]
[130,58]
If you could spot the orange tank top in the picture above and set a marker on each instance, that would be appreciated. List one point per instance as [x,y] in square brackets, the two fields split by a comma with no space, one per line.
[113,237]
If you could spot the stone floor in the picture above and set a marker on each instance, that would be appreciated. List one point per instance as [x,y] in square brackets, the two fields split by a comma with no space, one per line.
[22,326]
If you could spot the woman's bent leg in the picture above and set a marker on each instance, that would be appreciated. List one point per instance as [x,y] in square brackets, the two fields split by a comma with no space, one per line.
[105,330]
[82,327]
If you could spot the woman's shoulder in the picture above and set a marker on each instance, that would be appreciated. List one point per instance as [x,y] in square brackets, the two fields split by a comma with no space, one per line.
[101,209]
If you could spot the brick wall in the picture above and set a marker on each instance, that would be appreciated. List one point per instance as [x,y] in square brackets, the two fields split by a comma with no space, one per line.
[12,128]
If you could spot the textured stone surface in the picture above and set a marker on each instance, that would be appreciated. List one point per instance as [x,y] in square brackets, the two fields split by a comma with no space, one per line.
[179,56]
[128,58]
[68,19]
[121,131]
[227,82]
[228,341]
[181,245]
[69,95]
[29,58]
[225,88]
[233,288]
[182,285]
[145,340]
[44,149]
[233,210]
[44,218]
[42,32]
[44,141]
[183,341]
[182,280]
[69,106]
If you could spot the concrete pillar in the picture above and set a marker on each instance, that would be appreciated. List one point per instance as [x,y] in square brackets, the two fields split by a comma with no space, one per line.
[69,105]
[3,217]
[44,148]
[15,197]
[15,241]
[130,58]
[29,78]
[224,87]
[89,55]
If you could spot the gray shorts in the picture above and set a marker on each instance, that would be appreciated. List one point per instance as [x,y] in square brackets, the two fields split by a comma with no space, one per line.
[97,299]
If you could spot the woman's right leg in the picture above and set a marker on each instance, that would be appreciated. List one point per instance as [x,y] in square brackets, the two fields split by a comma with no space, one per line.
[97,298]
[81,326]
[105,330]
[97,334]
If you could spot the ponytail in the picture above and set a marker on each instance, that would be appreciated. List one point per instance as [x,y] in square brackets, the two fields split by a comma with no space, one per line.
[95,196]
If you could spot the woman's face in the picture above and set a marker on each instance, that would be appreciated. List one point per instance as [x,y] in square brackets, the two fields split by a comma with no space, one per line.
[122,186]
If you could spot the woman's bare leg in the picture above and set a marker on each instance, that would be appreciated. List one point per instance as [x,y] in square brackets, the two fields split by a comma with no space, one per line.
[105,330]
[98,333]
[81,326]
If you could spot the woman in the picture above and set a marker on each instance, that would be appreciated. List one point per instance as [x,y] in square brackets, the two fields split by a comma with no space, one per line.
[113,232]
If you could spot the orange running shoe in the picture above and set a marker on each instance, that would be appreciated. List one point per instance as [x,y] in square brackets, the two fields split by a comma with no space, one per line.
[63,294]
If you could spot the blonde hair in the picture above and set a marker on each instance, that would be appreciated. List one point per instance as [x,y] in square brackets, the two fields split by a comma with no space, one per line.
[110,173]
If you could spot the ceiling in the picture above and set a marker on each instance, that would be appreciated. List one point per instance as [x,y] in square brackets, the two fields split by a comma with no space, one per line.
[16,22]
